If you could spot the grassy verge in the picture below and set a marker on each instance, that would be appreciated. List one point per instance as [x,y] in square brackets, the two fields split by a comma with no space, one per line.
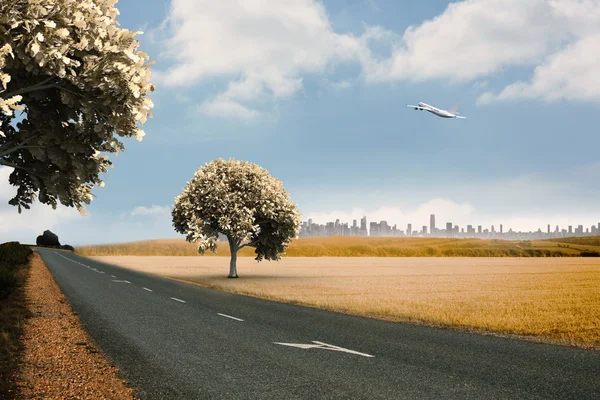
[13,312]
[341,246]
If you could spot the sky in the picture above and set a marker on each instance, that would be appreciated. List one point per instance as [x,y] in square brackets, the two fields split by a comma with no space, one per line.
[316,93]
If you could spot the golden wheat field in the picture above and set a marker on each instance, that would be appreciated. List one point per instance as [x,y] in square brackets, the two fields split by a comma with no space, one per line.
[548,299]
[339,246]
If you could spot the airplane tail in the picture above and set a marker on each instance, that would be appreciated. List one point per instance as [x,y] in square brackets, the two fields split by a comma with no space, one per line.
[454,109]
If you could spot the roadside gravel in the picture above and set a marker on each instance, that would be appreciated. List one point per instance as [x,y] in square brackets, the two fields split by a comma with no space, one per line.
[60,360]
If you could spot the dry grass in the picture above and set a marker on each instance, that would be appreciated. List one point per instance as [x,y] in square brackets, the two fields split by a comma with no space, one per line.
[340,246]
[546,298]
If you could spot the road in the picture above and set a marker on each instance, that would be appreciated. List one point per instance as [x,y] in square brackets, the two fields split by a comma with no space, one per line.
[173,340]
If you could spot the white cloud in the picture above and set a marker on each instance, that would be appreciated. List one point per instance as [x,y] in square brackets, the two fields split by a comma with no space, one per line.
[479,38]
[471,39]
[152,211]
[570,74]
[263,47]
[227,109]
[25,227]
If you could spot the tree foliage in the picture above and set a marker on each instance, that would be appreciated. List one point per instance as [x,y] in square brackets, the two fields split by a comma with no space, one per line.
[71,82]
[241,201]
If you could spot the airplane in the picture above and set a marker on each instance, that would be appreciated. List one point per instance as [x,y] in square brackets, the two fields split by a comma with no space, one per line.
[452,113]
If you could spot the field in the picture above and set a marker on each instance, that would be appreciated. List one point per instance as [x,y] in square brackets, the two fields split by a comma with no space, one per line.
[547,299]
[368,247]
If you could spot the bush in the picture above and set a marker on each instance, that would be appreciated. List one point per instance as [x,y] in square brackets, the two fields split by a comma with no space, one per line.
[67,247]
[589,254]
[8,281]
[13,256]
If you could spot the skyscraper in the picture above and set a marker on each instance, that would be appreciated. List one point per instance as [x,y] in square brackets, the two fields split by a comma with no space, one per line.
[409,229]
[432,224]
[363,226]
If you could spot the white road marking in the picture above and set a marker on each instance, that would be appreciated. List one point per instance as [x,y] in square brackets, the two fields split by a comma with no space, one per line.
[176,299]
[118,281]
[113,276]
[229,316]
[80,263]
[147,289]
[324,346]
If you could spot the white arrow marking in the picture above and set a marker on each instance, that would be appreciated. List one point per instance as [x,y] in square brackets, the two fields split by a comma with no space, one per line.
[116,280]
[324,346]
[229,316]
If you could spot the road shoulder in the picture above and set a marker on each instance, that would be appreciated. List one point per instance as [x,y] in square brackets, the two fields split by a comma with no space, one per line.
[60,360]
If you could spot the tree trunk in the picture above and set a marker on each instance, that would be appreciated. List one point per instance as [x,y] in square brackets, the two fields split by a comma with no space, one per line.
[233,247]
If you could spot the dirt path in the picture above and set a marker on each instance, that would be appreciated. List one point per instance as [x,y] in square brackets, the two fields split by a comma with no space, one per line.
[60,361]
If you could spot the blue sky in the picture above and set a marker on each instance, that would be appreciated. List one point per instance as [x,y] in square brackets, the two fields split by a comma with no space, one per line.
[316,93]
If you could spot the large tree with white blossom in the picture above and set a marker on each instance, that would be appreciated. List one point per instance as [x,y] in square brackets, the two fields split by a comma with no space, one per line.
[242,201]
[71,83]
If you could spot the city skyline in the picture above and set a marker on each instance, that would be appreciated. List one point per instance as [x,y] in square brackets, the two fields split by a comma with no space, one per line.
[384,229]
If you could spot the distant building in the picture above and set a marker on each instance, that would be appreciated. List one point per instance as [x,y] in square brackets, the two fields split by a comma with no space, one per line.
[432,224]
[374,229]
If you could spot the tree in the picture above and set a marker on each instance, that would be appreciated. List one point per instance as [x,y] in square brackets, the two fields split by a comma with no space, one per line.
[241,201]
[79,83]
[47,239]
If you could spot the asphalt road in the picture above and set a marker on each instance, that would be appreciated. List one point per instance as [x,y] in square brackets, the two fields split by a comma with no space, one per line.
[178,341]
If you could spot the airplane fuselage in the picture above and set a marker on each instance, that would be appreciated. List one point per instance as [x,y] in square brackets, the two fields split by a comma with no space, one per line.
[436,111]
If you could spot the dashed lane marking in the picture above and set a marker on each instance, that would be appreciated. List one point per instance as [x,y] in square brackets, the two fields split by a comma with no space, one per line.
[179,300]
[229,316]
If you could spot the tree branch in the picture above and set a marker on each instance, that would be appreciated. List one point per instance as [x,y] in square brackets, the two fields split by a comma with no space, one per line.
[19,146]
[9,164]
[38,86]
[249,244]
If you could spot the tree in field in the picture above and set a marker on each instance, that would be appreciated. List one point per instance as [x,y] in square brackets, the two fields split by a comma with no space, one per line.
[241,201]
[71,82]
